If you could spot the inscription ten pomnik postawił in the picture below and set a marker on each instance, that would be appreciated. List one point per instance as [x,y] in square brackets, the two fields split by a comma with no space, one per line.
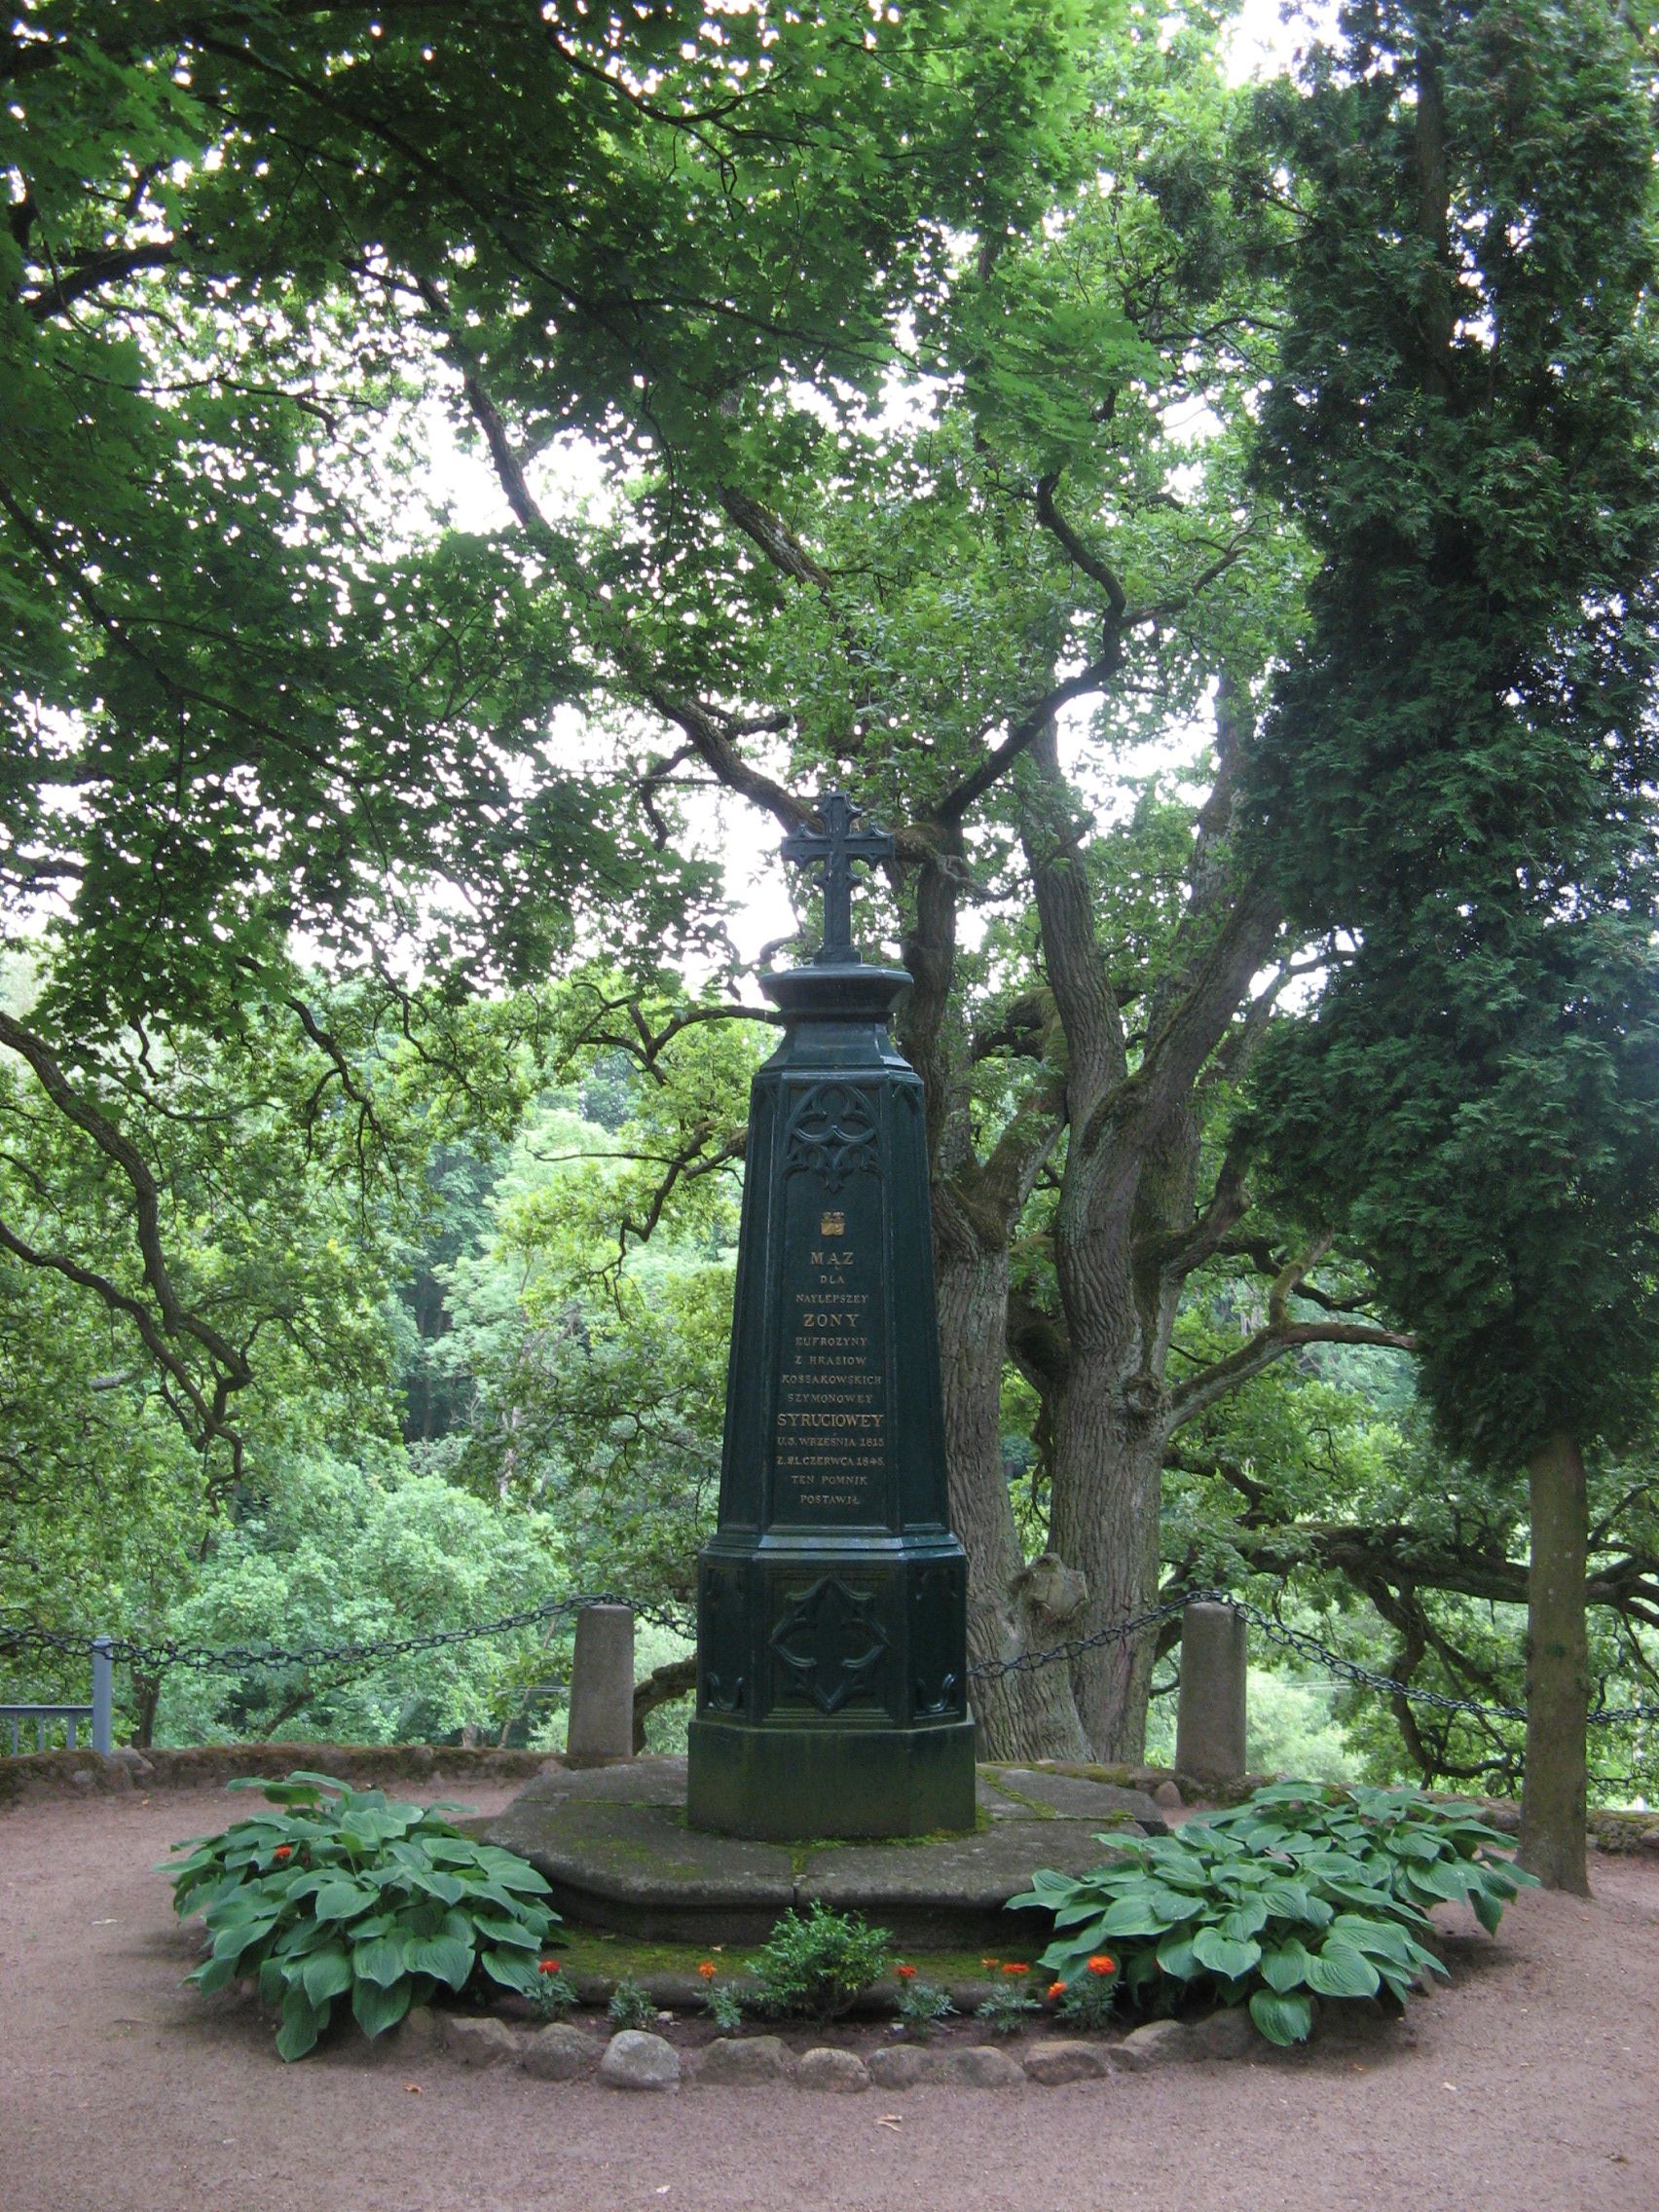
[832,1599]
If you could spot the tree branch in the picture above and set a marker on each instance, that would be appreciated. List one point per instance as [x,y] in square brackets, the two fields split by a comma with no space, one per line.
[1280,1335]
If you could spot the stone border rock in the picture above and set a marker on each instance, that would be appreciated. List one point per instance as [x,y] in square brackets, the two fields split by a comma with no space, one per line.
[638,2060]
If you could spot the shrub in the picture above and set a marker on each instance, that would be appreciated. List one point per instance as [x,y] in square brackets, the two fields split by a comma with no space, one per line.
[341,1892]
[815,1963]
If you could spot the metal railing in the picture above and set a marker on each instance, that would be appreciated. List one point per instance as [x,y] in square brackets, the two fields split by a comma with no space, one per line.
[100,1712]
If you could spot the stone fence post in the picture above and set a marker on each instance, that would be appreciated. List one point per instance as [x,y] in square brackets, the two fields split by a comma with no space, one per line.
[601,1687]
[1209,1725]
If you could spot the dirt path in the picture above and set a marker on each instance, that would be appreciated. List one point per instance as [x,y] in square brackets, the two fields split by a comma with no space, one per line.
[1530,2085]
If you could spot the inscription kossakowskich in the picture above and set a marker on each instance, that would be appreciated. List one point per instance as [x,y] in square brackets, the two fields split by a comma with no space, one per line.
[831,1601]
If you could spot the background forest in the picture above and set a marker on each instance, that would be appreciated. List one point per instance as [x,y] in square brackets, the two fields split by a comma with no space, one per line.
[471,477]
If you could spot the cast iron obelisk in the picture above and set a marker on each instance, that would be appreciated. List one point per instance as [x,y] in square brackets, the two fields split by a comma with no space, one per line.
[831,1601]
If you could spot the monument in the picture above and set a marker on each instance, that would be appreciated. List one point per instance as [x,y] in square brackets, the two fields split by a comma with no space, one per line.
[831,1667]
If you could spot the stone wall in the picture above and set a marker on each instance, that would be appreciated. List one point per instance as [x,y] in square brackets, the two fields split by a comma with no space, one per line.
[34,1775]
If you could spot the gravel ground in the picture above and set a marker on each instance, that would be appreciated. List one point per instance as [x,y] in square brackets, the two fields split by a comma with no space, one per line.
[1531,2086]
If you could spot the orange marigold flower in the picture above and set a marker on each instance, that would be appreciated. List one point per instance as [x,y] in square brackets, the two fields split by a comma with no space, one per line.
[905,1973]
[548,1965]
[1015,1965]
[990,1965]
[1101,1963]
[284,1850]
[707,1969]
[1056,1990]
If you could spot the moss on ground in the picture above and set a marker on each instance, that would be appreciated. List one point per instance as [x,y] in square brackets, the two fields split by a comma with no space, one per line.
[591,1951]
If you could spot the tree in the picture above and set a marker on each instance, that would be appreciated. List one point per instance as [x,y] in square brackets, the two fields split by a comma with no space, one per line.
[854,526]
[906,608]
[1456,778]
[258,686]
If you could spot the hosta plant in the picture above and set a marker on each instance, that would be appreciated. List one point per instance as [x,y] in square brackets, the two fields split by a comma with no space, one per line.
[1424,1852]
[1204,1914]
[342,1894]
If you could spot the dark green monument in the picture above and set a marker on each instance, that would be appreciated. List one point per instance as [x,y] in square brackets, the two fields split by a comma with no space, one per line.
[831,1603]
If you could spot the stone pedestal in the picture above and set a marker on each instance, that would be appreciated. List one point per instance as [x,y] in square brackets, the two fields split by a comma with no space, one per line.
[832,1600]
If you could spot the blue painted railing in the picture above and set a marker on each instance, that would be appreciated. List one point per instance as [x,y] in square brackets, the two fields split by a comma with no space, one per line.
[99,1713]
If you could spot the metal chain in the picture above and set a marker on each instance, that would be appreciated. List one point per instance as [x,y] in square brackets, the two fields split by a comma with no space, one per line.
[151,1658]
[1027,1662]
[1305,1646]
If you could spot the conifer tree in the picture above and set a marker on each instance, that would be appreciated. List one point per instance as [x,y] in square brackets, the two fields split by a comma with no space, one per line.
[1454,782]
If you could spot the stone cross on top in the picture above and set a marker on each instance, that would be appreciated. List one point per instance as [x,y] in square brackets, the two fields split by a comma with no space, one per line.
[833,849]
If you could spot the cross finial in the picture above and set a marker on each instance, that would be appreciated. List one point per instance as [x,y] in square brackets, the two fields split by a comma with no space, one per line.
[834,848]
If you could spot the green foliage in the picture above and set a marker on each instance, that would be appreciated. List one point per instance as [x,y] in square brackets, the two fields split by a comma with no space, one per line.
[1297,1893]
[333,1553]
[1089,1999]
[1423,1853]
[1011,2006]
[554,1997]
[922,2005]
[726,2008]
[816,1962]
[1452,776]
[631,2005]
[343,1893]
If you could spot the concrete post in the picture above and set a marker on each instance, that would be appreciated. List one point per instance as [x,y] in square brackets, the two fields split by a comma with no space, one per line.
[1209,1725]
[104,1695]
[601,1686]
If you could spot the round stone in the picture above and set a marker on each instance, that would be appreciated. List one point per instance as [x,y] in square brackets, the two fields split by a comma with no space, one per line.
[838,2073]
[636,2060]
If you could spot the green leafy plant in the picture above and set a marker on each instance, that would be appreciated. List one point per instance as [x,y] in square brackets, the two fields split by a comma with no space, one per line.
[815,1963]
[1300,1892]
[631,2005]
[1010,2004]
[726,2007]
[1202,1914]
[554,1997]
[1089,2000]
[1420,1850]
[922,2005]
[343,1893]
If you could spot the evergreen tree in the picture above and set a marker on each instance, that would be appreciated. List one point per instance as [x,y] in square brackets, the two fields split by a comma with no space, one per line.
[1454,780]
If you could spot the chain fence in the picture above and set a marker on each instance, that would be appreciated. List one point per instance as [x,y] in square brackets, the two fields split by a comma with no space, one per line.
[1296,1640]
[150,1659]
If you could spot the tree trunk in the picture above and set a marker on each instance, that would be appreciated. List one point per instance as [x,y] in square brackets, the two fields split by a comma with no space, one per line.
[1558,1670]
[149,1689]
[1109,1445]
[1011,1608]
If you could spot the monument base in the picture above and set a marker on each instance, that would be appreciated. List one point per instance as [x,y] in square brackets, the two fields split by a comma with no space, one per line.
[785,1785]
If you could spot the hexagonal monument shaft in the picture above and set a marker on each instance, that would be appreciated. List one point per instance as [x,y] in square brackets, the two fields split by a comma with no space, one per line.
[831,1624]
